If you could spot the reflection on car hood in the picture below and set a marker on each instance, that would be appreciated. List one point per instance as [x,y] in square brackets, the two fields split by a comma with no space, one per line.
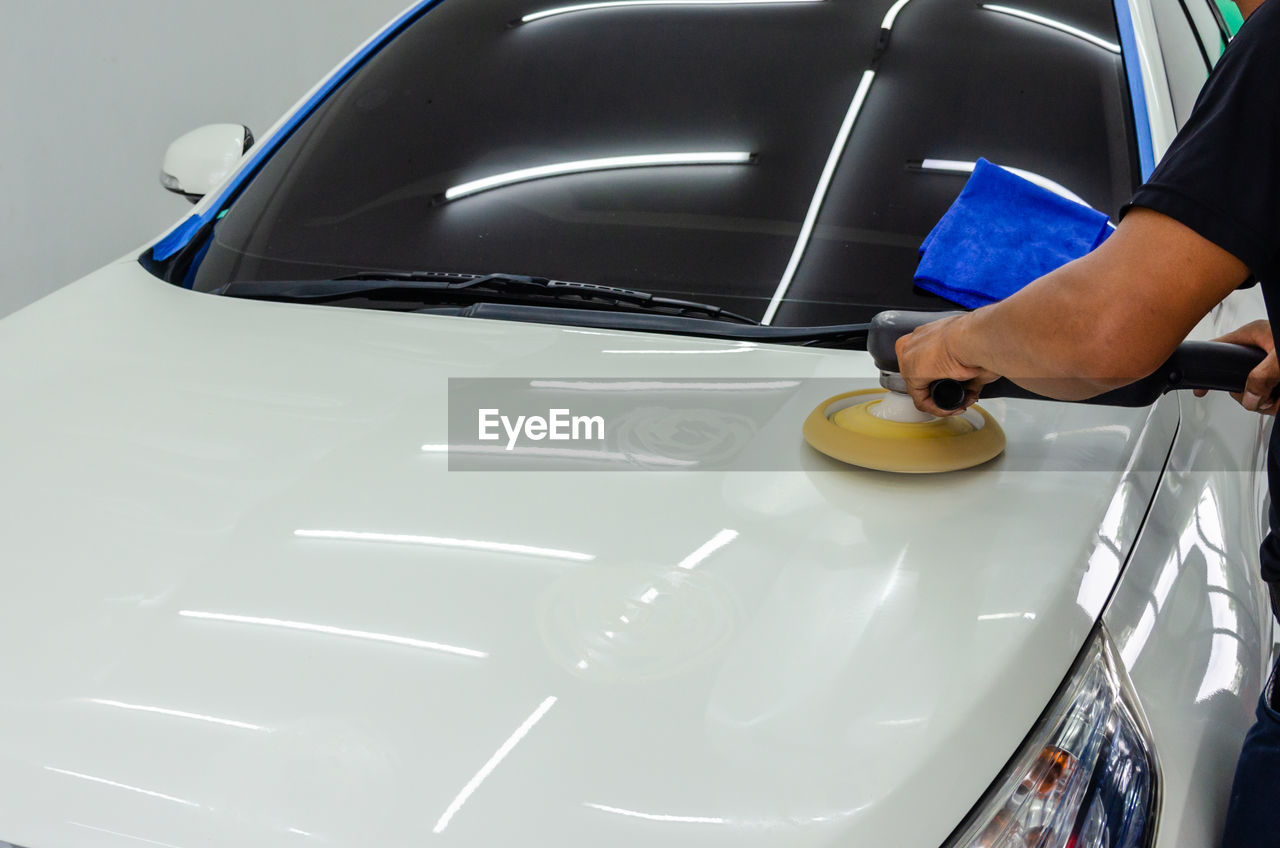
[244,606]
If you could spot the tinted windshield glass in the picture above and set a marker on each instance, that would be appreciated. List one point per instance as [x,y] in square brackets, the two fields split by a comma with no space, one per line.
[465,94]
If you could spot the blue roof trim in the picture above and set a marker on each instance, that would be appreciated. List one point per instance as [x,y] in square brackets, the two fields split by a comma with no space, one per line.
[1137,92]
[181,235]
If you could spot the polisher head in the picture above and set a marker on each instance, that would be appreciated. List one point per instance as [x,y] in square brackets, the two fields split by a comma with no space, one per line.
[874,429]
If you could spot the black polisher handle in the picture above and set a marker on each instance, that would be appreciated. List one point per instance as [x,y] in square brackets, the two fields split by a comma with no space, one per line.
[1217,366]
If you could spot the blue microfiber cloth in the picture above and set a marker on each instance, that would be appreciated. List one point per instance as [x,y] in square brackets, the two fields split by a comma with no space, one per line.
[1001,233]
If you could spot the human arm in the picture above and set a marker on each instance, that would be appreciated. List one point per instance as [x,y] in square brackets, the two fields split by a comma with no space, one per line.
[1095,324]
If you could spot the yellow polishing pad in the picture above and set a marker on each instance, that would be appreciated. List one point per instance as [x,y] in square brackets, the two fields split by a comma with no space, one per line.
[845,428]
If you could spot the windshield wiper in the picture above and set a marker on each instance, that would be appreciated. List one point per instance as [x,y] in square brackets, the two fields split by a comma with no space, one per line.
[845,336]
[430,286]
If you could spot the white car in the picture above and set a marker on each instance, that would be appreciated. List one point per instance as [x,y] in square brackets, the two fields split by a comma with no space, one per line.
[253,598]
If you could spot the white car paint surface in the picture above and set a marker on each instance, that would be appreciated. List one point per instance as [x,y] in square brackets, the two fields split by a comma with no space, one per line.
[247,602]
[208,661]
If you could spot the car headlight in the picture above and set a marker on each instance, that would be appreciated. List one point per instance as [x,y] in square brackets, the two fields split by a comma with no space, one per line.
[1086,777]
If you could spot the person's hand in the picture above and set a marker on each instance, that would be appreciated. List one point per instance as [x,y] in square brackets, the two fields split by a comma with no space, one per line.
[928,354]
[1263,379]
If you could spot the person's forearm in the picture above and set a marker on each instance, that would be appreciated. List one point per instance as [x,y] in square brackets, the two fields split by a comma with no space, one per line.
[1058,337]
[1099,323]
[1106,319]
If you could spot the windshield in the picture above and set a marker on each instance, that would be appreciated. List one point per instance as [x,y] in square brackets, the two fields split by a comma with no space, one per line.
[733,154]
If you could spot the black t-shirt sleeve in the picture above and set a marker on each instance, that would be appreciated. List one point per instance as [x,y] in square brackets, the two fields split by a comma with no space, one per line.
[1221,175]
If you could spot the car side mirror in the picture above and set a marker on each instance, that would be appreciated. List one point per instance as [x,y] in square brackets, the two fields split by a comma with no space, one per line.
[199,161]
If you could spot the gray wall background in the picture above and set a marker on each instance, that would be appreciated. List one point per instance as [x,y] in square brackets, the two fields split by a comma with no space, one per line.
[94,91]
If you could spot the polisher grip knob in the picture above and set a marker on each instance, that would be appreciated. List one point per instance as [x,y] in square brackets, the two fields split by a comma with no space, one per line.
[947,394]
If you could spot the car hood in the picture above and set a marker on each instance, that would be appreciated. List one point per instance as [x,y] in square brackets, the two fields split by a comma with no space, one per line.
[244,605]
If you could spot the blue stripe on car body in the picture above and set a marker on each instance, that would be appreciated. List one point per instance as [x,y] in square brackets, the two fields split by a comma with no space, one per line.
[1137,92]
[181,235]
